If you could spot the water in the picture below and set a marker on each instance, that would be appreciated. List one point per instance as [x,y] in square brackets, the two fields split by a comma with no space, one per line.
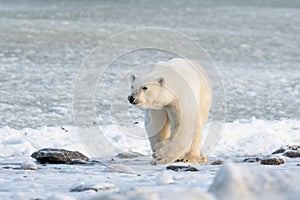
[255,45]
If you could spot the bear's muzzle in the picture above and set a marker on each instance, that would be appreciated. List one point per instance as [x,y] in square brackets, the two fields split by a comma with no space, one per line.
[131,99]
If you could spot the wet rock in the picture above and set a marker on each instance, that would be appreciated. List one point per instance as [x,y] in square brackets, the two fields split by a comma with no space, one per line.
[185,168]
[272,161]
[251,160]
[217,162]
[129,155]
[58,156]
[292,154]
[95,187]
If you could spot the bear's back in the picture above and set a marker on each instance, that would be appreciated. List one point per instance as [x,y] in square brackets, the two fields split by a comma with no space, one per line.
[192,73]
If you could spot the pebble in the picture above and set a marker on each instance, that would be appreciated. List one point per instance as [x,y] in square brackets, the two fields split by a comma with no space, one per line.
[217,162]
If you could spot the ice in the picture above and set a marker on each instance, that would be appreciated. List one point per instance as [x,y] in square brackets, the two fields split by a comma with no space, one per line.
[255,46]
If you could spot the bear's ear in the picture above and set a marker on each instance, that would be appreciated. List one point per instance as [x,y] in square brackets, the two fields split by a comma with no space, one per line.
[132,77]
[161,81]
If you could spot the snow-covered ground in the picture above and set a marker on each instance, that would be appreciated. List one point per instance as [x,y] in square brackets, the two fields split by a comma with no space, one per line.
[255,45]
[136,178]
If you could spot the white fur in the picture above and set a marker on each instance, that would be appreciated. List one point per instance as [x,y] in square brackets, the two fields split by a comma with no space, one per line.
[176,96]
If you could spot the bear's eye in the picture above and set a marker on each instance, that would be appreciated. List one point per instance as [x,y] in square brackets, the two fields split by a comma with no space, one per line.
[131,87]
[144,88]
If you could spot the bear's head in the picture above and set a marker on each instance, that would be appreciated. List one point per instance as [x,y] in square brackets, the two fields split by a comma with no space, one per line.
[150,94]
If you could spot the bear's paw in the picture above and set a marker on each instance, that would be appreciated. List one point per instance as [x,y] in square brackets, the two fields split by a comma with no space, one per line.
[193,159]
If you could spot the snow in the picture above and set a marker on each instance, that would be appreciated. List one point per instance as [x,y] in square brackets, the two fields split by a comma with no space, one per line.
[165,177]
[237,139]
[29,165]
[255,46]
[253,183]
[21,177]
[256,137]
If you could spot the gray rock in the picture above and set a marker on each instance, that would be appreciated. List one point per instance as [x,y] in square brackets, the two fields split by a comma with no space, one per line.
[95,187]
[294,147]
[280,150]
[217,162]
[272,161]
[251,160]
[292,154]
[184,168]
[285,148]
[58,156]
[129,155]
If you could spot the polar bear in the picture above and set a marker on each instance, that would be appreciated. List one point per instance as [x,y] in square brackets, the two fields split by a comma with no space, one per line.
[176,96]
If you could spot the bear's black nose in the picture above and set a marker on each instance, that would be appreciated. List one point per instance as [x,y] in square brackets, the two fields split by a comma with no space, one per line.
[130,99]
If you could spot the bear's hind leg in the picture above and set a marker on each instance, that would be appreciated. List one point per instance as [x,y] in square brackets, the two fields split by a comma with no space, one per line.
[196,154]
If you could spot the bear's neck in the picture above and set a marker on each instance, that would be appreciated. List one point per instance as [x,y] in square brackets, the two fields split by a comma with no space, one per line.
[174,114]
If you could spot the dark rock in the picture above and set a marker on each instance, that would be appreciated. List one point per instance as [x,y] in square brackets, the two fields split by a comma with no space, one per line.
[292,154]
[94,187]
[285,148]
[294,147]
[280,150]
[251,160]
[272,161]
[129,155]
[217,162]
[184,168]
[58,156]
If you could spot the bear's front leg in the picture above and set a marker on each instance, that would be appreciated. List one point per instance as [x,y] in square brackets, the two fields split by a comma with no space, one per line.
[162,154]
[166,152]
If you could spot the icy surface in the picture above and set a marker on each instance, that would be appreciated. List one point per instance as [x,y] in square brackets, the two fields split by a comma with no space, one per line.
[255,45]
